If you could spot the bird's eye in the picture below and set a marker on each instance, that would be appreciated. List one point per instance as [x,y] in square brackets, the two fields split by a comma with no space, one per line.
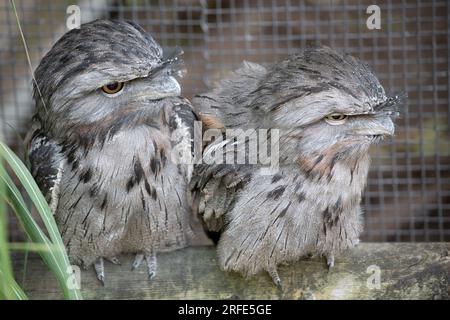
[336,118]
[112,87]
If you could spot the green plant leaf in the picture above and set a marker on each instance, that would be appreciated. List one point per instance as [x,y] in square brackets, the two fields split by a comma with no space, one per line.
[9,289]
[54,256]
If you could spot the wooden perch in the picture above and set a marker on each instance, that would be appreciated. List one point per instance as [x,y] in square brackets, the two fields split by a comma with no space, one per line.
[406,270]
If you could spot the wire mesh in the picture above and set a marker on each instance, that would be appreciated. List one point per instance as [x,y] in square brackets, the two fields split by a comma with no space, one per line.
[408,192]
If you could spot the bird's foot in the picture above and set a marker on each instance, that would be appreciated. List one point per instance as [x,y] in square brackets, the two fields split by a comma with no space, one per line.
[151,264]
[330,262]
[275,277]
[99,267]
[137,261]
[100,270]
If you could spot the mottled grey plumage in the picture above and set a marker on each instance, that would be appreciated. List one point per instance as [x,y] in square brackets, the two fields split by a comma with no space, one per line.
[104,161]
[311,206]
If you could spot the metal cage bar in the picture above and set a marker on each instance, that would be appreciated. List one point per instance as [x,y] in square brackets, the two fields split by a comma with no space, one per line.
[408,192]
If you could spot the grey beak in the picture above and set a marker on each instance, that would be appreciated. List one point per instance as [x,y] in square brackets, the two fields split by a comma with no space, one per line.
[378,126]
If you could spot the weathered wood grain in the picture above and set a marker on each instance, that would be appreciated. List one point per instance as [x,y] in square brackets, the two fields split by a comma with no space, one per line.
[408,271]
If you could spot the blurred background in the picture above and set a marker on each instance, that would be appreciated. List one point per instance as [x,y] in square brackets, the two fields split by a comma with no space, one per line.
[408,193]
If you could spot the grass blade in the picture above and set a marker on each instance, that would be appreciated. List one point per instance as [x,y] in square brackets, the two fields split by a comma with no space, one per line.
[56,259]
[9,289]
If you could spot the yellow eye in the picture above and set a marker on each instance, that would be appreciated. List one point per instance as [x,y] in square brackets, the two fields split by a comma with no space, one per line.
[336,118]
[112,87]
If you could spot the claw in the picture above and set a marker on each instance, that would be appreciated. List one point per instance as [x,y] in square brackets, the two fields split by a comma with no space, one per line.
[137,261]
[114,260]
[330,262]
[275,277]
[151,265]
[100,270]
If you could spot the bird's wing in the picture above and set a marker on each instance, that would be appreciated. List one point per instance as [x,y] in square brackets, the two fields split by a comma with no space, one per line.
[229,104]
[215,186]
[181,124]
[215,190]
[47,165]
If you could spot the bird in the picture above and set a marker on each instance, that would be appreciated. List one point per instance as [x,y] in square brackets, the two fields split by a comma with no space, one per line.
[319,111]
[107,141]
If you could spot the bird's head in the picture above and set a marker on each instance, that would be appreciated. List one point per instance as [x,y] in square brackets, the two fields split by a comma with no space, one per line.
[329,106]
[98,70]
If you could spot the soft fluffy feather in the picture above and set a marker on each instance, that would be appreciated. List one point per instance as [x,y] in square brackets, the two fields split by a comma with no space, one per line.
[108,159]
[312,204]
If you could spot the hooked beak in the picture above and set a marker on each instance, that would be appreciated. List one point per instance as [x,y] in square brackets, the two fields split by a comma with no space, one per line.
[162,86]
[161,82]
[381,126]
